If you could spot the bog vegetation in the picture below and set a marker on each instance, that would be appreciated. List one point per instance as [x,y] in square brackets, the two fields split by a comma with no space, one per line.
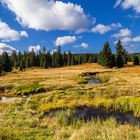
[59,104]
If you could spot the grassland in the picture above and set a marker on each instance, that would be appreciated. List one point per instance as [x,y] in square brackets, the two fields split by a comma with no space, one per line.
[54,95]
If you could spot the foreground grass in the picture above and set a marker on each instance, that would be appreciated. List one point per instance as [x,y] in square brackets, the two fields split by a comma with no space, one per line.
[43,116]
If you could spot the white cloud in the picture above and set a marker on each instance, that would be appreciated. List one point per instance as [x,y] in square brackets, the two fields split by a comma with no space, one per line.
[102,29]
[118,2]
[36,48]
[60,41]
[23,33]
[127,40]
[136,39]
[135,4]
[6,48]
[7,34]
[122,33]
[48,14]
[79,31]
[83,45]
[126,4]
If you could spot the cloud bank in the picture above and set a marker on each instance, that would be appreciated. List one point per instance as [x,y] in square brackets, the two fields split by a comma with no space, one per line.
[48,14]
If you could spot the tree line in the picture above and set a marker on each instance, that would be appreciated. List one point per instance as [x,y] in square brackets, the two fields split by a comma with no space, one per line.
[46,59]
[119,59]
[43,59]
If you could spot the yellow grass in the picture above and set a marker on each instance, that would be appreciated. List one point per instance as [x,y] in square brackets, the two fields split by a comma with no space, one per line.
[119,90]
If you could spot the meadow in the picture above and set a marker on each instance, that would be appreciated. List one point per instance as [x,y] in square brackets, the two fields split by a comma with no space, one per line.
[58,104]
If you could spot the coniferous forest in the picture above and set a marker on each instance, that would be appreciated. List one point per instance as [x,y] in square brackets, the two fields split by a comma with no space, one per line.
[43,59]
[46,59]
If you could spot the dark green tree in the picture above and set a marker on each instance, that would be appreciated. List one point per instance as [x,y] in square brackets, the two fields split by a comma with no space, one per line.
[54,63]
[45,64]
[106,57]
[6,62]
[136,60]
[120,58]
[32,57]
[72,60]
[64,59]
[58,58]
[19,58]
[27,63]
[0,67]
[14,59]
[49,59]
[69,56]
[22,65]
[100,59]
[80,60]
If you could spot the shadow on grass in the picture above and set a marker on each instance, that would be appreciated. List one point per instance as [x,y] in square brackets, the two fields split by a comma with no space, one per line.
[86,114]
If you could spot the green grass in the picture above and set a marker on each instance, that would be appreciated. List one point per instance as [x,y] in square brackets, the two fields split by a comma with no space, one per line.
[82,80]
[74,98]
[28,89]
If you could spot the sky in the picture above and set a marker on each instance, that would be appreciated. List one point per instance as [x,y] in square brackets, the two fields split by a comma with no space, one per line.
[82,26]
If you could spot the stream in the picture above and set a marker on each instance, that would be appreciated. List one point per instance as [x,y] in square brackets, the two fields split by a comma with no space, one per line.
[93,81]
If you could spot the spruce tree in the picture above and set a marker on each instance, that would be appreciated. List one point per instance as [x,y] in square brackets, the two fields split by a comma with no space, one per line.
[69,56]
[49,59]
[19,58]
[85,58]
[22,65]
[80,59]
[64,59]
[0,67]
[100,59]
[136,60]
[90,60]
[45,64]
[14,59]
[27,63]
[32,58]
[120,60]
[59,62]
[72,60]
[54,60]
[106,56]
[6,62]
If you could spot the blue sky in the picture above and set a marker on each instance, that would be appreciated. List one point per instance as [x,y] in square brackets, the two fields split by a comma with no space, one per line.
[81,26]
